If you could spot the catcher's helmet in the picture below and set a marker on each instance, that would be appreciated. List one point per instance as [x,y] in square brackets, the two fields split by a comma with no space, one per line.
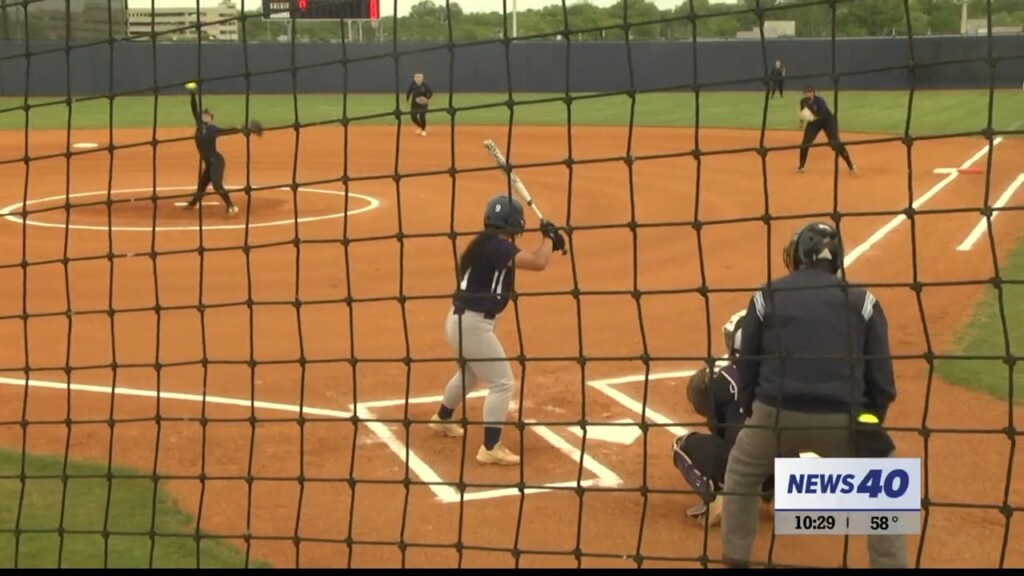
[504,213]
[732,332]
[789,253]
[818,242]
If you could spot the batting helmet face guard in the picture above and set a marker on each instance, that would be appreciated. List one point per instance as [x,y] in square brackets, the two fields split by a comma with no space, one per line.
[504,213]
[732,332]
[697,392]
[819,243]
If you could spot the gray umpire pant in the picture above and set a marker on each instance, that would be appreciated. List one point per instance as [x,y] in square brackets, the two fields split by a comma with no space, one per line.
[472,338]
[752,459]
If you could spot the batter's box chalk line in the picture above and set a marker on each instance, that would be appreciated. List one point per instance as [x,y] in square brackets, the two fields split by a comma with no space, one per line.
[604,476]
[13,212]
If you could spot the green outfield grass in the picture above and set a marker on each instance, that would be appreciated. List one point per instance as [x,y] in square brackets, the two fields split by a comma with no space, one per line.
[984,336]
[88,503]
[932,112]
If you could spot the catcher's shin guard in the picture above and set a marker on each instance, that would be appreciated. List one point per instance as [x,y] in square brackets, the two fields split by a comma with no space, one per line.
[700,483]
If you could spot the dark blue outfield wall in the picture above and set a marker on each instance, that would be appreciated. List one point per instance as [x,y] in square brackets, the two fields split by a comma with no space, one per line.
[127,67]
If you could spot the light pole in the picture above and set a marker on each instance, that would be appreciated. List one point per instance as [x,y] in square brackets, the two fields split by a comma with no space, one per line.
[515,19]
[963,17]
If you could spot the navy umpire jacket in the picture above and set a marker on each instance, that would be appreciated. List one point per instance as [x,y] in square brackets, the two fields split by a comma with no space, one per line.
[812,344]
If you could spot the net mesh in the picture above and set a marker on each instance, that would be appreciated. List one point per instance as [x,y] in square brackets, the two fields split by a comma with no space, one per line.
[273,376]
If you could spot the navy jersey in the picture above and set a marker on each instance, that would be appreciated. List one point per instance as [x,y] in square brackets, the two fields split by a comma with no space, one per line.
[206,135]
[817,105]
[486,284]
[416,90]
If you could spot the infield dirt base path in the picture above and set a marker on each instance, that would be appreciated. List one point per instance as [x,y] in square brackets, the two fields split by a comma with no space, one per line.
[274,325]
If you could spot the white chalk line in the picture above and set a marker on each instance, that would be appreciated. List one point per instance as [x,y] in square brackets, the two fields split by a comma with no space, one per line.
[984,223]
[11,212]
[178,396]
[882,232]
[426,473]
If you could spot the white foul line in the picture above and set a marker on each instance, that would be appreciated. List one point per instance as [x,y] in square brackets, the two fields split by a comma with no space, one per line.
[164,395]
[183,204]
[897,220]
[975,234]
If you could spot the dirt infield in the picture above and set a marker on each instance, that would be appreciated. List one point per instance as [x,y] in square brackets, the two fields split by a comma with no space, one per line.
[278,351]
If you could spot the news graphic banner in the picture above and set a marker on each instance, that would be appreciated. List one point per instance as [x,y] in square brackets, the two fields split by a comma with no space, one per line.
[853,496]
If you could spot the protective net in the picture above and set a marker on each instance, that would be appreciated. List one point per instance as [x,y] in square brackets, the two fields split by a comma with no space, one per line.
[186,387]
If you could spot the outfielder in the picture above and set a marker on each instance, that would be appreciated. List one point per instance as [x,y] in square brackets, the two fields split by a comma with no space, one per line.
[210,159]
[420,93]
[814,360]
[815,117]
[487,270]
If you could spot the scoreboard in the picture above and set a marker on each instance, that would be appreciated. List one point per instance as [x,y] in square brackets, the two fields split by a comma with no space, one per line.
[321,9]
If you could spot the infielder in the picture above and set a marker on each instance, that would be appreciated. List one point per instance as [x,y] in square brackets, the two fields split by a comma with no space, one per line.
[701,457]
[815,117]
[211,161]
[487,270]
[814,360]
[420,93]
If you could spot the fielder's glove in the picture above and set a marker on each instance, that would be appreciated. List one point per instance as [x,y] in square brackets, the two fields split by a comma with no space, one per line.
[548,229]
[422,100]
[255,127]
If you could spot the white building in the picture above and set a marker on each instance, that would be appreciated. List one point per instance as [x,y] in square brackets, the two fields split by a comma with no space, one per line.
[219,23]
[772,29]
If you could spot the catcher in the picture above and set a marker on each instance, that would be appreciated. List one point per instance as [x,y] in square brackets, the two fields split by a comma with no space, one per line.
[420,93]
[702,457]
[815,117]
[211,160]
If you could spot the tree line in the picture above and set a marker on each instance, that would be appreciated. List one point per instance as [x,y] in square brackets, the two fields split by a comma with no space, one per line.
[438,20]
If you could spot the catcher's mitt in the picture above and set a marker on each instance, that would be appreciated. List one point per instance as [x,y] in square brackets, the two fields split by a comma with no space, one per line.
[255,127]
[422,99]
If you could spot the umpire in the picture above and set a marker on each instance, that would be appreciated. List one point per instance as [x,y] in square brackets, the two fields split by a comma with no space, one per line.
[814,357]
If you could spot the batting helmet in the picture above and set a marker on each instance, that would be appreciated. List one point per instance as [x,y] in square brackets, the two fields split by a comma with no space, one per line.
[697,391]
[504,213]
[818,243]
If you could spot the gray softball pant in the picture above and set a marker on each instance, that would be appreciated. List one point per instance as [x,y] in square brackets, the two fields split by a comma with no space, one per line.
[472,338]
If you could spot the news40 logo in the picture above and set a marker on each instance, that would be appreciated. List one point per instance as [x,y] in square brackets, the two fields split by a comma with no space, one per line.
[848,484]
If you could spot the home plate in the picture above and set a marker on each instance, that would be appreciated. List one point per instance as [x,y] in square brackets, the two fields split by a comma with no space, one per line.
[623,432]
[85,145]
